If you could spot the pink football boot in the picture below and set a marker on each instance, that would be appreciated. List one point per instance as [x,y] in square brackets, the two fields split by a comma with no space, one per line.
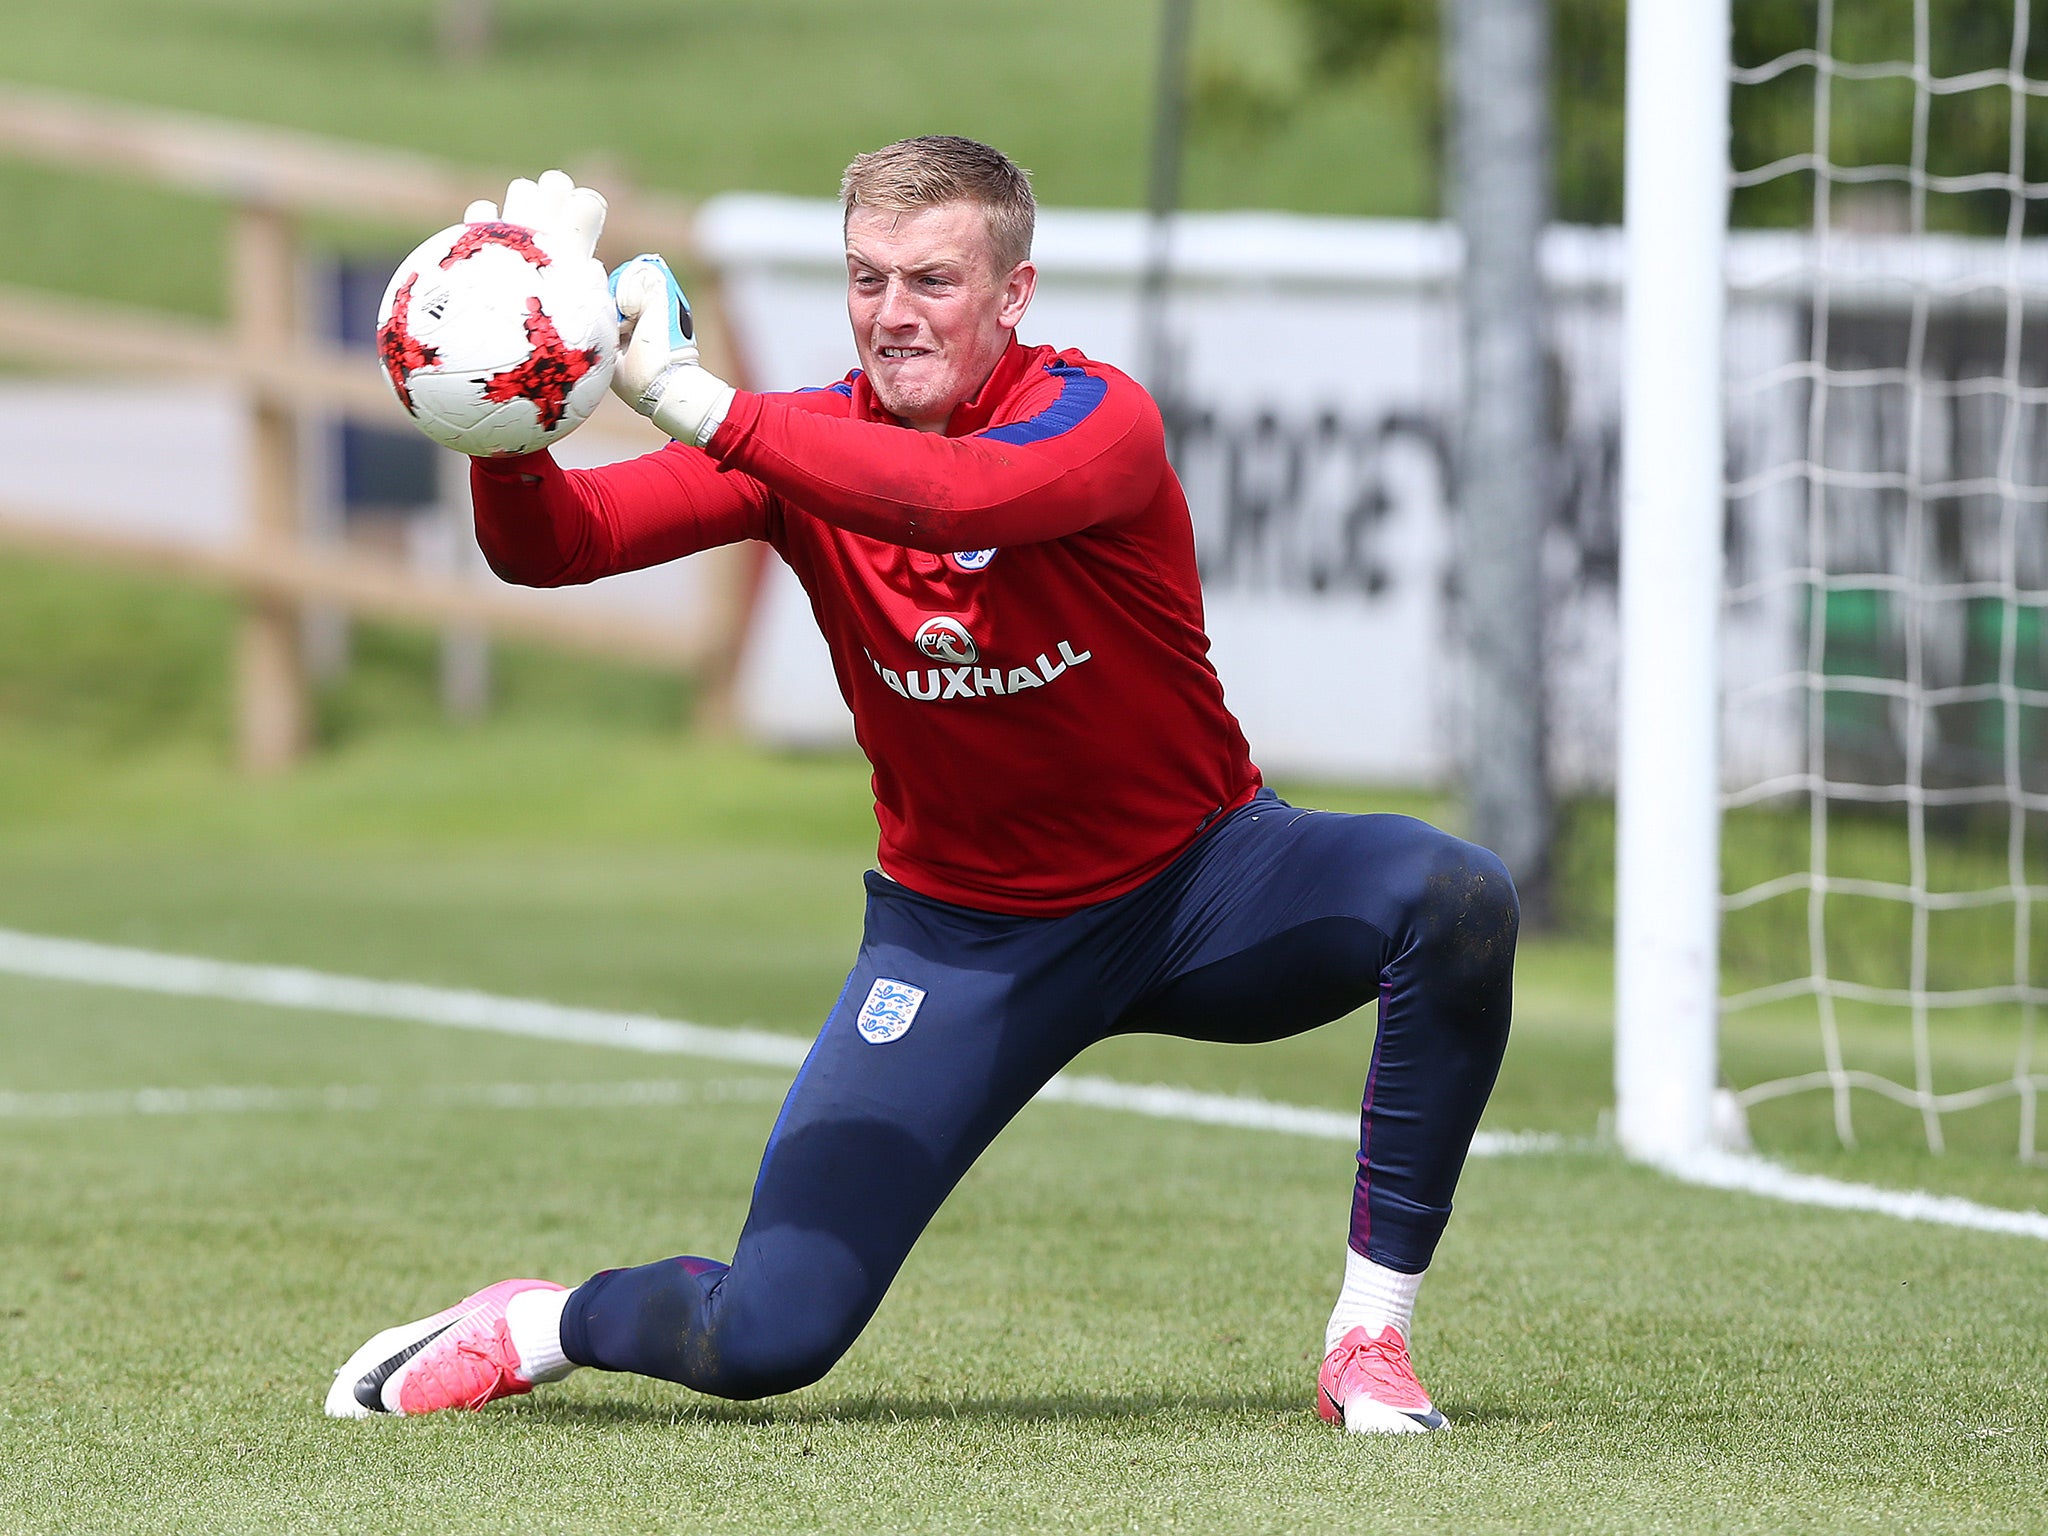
[460,1358]
[1368,1385]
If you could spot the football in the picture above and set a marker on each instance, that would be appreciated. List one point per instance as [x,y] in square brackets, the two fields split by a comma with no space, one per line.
[496,338]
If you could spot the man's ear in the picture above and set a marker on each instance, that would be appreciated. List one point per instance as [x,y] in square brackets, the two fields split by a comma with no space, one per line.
[1018,288]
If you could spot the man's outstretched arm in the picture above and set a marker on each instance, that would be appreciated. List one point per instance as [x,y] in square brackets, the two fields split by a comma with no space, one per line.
[544,526]
[1095,453]
[1092,449]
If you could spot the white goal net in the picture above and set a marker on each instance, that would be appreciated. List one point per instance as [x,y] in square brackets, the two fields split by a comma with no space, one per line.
[1884,817]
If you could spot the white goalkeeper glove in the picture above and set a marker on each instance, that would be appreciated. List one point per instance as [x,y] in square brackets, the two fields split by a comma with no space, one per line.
[659,373]
[555,206]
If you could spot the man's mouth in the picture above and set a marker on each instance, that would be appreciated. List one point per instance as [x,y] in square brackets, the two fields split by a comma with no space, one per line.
[897,354]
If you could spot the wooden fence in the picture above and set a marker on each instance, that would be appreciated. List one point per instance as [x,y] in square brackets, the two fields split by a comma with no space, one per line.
[272,179]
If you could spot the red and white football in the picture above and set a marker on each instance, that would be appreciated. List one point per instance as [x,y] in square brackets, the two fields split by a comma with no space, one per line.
[498,339]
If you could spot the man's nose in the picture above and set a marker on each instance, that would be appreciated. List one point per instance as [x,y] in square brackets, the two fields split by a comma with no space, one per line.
[896,310]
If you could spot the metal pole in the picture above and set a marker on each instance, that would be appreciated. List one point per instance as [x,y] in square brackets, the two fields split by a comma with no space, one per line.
[1667,856]
[1500,92]
[1169,128]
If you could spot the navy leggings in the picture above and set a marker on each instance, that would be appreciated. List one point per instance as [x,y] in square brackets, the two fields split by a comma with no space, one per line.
[1276,921]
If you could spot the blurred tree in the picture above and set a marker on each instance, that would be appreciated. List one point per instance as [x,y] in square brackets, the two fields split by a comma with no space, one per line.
[1398,43]
[1870,121]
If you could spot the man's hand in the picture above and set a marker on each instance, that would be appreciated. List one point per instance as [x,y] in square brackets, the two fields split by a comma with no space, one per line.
[659,373]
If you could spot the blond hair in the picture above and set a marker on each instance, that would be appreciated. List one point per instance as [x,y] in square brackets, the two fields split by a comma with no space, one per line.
[940,168]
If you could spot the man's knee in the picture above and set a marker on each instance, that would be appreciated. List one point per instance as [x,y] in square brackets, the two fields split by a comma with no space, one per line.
[794,1303]
[1463,903]
[769,1364]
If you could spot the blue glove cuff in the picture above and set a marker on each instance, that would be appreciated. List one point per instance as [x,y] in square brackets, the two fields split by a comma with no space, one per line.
[682,329]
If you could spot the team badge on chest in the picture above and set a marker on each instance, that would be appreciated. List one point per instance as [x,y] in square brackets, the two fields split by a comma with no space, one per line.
[972,559]
[889,1011]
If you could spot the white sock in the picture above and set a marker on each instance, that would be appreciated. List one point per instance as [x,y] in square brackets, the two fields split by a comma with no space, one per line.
[1374,1297]
[534,1319]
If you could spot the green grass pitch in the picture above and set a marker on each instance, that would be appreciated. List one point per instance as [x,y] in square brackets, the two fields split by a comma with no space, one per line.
[1112,1326]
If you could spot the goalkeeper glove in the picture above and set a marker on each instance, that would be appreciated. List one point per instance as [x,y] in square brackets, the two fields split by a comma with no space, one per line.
[659,373]
[555,206]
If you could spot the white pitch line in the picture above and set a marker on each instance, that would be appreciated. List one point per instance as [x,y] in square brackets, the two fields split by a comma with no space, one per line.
[248,1099]
[106,965]
[282,986]
[286,986]
[1758,1176]
[1254,1114]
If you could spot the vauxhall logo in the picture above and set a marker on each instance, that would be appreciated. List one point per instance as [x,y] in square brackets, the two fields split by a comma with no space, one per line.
[944,639]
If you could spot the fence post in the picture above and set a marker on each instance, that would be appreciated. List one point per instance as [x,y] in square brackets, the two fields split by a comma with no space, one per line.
[737,578]
[271,693]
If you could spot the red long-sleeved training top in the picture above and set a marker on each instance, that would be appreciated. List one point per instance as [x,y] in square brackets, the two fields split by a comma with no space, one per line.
[1012,610]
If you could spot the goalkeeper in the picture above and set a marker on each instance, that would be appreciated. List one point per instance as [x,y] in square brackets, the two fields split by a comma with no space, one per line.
[1074,841]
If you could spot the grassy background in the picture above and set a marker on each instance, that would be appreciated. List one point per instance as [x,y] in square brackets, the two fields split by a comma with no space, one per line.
[688,96]
[1111,1326]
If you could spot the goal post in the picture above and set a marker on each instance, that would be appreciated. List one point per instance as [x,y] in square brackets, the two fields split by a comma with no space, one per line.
[1667,853]
[1832,778]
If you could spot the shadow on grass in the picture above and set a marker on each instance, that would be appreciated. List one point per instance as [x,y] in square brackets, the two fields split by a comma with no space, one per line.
[1099,1407]
[1071,1405]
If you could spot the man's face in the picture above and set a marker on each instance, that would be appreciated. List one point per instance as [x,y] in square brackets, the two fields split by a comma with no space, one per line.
[931,314]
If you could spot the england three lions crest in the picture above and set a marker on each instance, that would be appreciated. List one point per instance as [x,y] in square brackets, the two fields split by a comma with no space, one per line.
[889,1011]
